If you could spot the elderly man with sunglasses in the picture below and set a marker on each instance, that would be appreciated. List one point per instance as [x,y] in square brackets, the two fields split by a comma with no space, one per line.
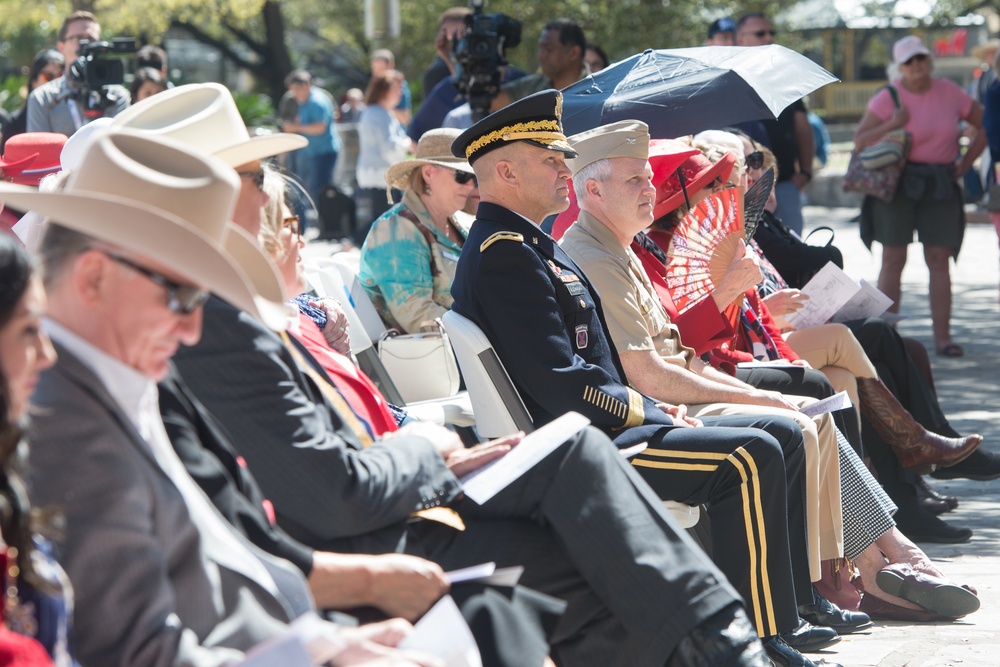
[790,136]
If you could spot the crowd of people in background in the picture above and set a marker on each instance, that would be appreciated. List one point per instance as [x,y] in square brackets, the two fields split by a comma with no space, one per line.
[209,463]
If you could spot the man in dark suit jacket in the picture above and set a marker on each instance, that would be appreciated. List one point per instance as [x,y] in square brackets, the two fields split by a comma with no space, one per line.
[510,625]
[578,521]
[546,324]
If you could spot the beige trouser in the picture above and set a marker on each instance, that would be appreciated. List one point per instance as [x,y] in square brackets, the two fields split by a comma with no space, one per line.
[833,349]
[824,518]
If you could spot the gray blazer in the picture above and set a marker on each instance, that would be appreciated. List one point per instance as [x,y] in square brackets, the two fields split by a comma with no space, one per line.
[145,593]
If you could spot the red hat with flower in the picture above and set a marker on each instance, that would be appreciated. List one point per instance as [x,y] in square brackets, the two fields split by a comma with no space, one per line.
[680,170]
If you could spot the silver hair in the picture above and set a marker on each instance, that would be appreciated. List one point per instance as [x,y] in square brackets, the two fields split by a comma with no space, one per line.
[599,171]
[59,247]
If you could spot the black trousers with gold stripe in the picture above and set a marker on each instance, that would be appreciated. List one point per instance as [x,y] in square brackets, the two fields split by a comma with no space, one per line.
[750,474]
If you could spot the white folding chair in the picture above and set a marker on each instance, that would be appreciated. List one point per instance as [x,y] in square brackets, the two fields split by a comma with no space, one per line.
[498,407]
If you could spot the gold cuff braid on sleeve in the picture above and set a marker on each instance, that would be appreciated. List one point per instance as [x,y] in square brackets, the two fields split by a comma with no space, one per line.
[636,409]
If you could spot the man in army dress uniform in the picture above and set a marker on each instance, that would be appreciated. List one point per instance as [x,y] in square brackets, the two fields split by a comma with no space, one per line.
[545,322]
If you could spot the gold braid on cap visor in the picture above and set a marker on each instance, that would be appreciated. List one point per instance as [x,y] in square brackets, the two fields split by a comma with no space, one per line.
[544,131]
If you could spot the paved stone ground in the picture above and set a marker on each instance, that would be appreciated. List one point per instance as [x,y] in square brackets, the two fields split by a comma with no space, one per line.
[968,389]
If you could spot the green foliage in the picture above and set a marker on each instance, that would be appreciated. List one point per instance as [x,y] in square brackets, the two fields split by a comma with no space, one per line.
[11,91]
[257,110]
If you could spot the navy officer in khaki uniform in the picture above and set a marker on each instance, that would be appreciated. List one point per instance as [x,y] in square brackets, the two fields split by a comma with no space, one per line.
[545,321]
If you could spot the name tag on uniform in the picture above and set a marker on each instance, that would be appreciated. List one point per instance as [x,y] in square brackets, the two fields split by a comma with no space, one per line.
[582,337]
[450,255]
[576,288]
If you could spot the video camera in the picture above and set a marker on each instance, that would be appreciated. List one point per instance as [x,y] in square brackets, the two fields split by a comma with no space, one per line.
[479,56]
[92,79]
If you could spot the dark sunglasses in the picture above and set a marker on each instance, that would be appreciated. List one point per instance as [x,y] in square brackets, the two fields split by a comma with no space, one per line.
[181,299]
[292,223]
[463,177]
[258,177]
[919,58]
[755,160]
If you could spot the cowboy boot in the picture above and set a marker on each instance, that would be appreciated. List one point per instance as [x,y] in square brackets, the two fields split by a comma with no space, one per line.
[916,448]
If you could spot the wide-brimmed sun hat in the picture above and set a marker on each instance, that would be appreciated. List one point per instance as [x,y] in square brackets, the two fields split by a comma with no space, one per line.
[680,171]
[433,148]
[30,156]
[158,199]
[205,117]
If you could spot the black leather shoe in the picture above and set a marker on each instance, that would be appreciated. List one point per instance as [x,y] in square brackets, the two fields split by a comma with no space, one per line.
[725,638]
[979,465]
[929,528]
[824,613]
[783,655]
[808,637]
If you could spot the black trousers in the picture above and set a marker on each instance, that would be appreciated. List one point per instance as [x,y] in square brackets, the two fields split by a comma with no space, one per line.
[749,471]
[589,531]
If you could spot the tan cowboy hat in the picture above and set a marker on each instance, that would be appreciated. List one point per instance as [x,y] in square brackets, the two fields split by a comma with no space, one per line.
[204,116]
[982,51]
[434,148]
[181,220]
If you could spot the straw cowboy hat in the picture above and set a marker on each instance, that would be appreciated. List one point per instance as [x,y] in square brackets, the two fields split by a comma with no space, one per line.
[180,221]
[29,156]
[204,116]
[434,148]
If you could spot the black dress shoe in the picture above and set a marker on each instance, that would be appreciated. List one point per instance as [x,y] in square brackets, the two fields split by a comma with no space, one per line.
[929,528]
[808,637]
[724,638]
[824,613]
[932,501]
[783,655]
[980,465]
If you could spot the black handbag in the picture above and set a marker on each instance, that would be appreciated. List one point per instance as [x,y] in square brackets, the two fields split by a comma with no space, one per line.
[796,260]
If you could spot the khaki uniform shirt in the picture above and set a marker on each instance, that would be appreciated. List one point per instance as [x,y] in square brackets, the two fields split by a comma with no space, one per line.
[635,318]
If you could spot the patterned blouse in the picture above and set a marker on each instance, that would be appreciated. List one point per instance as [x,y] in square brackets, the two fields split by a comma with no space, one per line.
[408,264]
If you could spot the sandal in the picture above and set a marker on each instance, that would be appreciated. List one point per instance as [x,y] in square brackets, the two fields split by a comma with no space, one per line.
[951,350]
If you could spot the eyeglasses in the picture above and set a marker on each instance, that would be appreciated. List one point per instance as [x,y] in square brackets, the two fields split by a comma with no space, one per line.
[257,176]
[755,160]
[291,223]
[181,299]
[759,34]
[463,177]
[919,58]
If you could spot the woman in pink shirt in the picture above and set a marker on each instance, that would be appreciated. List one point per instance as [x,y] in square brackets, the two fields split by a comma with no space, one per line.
[928,198]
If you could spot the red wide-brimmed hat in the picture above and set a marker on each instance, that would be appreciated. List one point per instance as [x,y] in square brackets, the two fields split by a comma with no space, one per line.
[30,156]
[679,162]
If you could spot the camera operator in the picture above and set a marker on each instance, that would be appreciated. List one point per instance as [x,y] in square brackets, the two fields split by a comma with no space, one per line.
[53,107]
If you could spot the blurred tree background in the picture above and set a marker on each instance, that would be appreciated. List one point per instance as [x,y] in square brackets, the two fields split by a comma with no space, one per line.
[268,38]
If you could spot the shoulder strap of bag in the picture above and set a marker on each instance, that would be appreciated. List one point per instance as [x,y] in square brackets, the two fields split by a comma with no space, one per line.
[895,95]
[427,234]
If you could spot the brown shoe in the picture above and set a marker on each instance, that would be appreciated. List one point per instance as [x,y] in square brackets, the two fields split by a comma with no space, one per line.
[916,448]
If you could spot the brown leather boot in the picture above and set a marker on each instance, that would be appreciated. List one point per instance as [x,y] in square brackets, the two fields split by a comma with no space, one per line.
[916,448]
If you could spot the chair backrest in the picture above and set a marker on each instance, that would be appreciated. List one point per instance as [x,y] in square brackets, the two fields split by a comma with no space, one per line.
[347,266]
[495,401]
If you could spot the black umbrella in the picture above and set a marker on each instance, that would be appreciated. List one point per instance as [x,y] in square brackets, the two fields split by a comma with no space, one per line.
[684,91]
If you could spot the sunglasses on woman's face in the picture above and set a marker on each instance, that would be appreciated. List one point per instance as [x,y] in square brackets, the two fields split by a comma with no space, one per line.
[463,177]
[919,58]
[291,223]
[755,160]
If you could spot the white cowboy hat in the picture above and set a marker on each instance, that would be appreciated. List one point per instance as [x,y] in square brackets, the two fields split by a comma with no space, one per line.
[204,116]
[180,221]
[434,148]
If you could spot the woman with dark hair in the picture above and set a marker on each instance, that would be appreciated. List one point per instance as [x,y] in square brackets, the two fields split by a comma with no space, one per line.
[34,586]
[148,81]
[47,65]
